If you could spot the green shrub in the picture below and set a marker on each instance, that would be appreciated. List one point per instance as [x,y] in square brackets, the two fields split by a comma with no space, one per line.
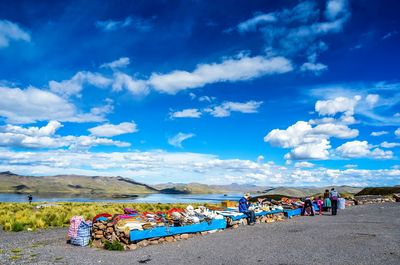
[16,227]
[115,245]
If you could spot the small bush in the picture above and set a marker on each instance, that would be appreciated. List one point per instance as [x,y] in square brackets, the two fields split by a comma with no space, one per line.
[115,245]
[16,227]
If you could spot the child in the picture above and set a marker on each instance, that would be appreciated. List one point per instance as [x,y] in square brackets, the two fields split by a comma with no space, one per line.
[320,204]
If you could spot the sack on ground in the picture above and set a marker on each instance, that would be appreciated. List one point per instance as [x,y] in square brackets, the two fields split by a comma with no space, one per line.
[83,234]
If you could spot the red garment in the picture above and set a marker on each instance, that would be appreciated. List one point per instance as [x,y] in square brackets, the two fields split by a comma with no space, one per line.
[101,215]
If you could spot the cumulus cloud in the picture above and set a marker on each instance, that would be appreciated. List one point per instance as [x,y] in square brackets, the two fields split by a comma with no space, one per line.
[45,137]
[389,145]
[304,164]
[110,130]
[186,113]
[161,167]
[230,70]
[74,86]
[397,132]
[32,104]
[10,31]
[225,109]
[316,68]
[120,63]
[178,139]
[123,81]
[359,149]
[337,105]
[380,133]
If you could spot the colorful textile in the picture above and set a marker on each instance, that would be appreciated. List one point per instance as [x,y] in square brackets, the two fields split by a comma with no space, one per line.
[75,221]
[101,215]
[327,203]
[130,211]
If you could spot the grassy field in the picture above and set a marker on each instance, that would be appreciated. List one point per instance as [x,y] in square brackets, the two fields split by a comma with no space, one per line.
[23,216]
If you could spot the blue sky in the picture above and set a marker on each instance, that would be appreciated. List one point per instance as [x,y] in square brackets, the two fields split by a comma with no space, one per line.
[274,93]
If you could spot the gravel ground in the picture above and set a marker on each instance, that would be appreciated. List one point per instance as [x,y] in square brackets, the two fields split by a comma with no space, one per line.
[367,234]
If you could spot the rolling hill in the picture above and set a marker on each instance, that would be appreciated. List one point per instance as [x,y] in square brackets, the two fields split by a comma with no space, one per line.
[73,185]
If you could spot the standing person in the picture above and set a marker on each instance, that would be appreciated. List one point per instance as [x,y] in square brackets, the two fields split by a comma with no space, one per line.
[334,196]
[327,201]
[320,204]
[244,204]
[30,198]
[307,203]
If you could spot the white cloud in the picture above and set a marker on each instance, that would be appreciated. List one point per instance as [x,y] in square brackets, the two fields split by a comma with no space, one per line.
[316,68]
[371,100]
[317,150]
[161,167]
[380,133]
[308,142]
[124,81]
[299,30]
[337,105]
[32,104]
[179,138]
[74,86]
[10,31]
[186,113]
[335,130]
[47,130]
[300,137]
[110,130]
[225,109]
[389,145]
[334,8]
[45,137]
[360,149]
[256,21]
[351,166]
[397,132]
[230,70]
[139,24]
[120,63]
[304,164]
[206,99]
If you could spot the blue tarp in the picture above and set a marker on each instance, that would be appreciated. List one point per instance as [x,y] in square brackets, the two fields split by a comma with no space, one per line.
[175,230]
[291,213]
[241,216]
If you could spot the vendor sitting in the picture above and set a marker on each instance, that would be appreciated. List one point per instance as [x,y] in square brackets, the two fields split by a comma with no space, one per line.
[307,205]
[244,204]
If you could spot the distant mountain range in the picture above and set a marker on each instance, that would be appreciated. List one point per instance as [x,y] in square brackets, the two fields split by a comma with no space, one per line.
[99,186]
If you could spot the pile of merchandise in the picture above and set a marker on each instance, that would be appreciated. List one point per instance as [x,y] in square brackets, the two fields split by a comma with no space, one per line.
[119,227]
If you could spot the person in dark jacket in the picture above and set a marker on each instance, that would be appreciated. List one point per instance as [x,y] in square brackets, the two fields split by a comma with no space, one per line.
[244,204]
[334,196]
[307,203]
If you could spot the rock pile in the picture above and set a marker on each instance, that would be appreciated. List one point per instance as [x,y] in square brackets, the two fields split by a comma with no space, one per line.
[103,231]
[371,199]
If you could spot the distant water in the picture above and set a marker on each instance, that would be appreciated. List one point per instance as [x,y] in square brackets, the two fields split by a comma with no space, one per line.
[151,198]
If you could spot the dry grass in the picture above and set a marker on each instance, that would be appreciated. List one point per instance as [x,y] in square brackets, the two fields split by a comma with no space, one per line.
[21,216]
